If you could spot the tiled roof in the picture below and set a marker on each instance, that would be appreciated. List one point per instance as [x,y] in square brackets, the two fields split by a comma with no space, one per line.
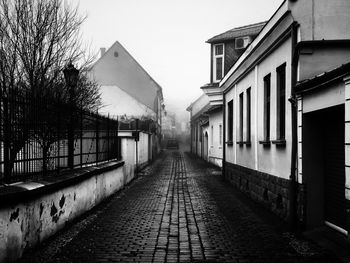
[247,30]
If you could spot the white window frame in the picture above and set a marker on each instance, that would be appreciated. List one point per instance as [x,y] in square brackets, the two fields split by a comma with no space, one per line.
[246,42]
[214,61]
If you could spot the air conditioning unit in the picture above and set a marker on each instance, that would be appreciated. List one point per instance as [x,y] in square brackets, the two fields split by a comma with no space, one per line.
[242,42]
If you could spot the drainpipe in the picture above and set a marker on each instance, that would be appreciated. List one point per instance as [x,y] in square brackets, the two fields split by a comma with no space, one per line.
[223,136]
[294,119]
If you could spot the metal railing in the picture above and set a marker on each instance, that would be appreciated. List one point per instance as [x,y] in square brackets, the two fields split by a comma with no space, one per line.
[40,137]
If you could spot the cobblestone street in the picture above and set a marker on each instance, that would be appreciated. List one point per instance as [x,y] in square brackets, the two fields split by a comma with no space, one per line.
[178,210]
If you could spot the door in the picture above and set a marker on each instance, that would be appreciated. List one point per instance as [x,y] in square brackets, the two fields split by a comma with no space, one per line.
[334,166]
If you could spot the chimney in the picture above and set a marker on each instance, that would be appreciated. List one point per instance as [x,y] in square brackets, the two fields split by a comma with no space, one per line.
[103,51]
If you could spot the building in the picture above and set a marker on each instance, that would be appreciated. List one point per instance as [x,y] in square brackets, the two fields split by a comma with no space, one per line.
[286,134]
[168,125]
[206,112]
[131,94]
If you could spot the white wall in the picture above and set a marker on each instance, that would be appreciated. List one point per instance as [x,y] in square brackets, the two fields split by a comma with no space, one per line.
[215,147]
[117,102]
[27,223]
[273,159]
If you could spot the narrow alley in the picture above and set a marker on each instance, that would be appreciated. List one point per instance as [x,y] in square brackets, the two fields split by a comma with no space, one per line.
[177,210]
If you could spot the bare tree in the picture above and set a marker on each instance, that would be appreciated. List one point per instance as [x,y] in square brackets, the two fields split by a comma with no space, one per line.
[37,40]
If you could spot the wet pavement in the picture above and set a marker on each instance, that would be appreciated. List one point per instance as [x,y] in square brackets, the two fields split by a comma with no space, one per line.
[178,210]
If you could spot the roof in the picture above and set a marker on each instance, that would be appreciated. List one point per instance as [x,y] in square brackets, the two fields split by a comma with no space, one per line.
[117,67]
[252,29]
[323,78]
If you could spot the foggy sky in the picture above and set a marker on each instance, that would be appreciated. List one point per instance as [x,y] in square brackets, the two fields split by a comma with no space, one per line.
[167,37]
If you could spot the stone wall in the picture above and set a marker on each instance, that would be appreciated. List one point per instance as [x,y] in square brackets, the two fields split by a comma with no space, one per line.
[271,191]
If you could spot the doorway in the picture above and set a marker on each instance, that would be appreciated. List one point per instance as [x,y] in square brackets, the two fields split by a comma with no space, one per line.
[324,167]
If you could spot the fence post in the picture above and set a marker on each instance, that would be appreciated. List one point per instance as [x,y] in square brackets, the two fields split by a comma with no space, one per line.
[81,135]
[97,138]
[6,131]
[59,107]
[108,154]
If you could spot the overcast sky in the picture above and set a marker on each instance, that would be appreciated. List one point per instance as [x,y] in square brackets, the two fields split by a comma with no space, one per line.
[167,37]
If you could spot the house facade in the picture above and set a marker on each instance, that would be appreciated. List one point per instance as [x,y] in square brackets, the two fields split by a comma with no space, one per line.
[267,148]
[126,88]
[207,111]
[130,94]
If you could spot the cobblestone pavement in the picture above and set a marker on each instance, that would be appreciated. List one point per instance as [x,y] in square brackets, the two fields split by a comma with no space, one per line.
[178,211]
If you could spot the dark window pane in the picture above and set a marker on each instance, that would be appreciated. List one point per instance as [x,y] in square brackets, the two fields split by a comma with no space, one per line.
[241,117]
[230,120]
[248,115]
[267,92]
[219,49]
[218,68]
[281,102]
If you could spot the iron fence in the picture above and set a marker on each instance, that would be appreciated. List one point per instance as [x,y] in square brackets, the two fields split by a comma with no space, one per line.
[40,137]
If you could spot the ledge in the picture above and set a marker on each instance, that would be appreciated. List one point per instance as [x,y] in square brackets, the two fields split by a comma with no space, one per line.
[25,191]
[265,143]
[229,143]
[240,143]
[279,142]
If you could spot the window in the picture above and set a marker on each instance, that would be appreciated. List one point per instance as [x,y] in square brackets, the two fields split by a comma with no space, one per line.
[212,136]
[241,117]
[218,62]
[281,102]
[267,103]
[248,115]
[220,134]
[230,120]
[242,42]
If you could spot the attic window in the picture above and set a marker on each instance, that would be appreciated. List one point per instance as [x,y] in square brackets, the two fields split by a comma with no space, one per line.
[116,54]
[242,42]
[218,62]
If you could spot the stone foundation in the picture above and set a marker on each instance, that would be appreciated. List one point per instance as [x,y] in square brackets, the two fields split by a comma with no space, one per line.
[269,190]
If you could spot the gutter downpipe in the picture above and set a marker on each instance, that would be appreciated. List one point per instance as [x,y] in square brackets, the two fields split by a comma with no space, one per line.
[223,136]
[292,220]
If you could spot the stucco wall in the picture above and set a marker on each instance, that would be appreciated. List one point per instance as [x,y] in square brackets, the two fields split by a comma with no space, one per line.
[144,150]
[322,19]
[272,160]
[215,147]
[26,223]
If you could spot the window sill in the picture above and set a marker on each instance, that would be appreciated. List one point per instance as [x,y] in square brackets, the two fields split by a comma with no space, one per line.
[229,143]
[265,142]
[280,142]
[241,143]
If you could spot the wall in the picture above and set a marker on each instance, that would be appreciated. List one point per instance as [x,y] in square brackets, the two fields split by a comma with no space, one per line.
[273,159]
[118,68]
[215,148]
[25,223]
[322,19]
[144,150]
[314,61]
[117,102]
